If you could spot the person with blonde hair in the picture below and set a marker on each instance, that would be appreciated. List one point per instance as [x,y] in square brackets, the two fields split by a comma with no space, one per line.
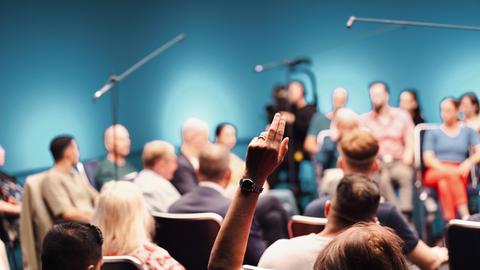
[126,224]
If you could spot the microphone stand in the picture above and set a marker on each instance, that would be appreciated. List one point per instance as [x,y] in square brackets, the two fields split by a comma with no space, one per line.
[113,84]
[354,19]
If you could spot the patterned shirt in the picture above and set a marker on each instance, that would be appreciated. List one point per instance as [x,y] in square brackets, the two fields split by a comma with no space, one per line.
[154,257]
[391,134]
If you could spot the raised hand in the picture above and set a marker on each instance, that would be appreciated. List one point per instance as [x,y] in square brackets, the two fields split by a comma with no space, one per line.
[266,151]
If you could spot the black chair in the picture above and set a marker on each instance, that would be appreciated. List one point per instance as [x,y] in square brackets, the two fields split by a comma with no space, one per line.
[303,225]
[188,238]
[463,243]
[121,263]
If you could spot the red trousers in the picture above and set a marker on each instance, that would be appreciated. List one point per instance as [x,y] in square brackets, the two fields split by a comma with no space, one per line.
[452,189]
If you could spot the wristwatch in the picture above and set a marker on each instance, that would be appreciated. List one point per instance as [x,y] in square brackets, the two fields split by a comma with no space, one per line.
[247,185]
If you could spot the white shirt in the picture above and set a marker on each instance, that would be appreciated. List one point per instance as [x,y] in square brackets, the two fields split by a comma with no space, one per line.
[297,253]
[158,192]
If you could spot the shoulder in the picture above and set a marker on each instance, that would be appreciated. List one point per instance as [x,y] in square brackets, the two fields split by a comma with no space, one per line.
[315,208]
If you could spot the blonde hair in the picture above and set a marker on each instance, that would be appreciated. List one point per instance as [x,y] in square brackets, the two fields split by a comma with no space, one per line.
[123,218]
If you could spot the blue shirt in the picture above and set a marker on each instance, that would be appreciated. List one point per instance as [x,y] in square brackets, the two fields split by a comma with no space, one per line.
[328,154]
[447,148]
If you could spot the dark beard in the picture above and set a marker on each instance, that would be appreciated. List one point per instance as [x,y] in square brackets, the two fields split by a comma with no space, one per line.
[378,108]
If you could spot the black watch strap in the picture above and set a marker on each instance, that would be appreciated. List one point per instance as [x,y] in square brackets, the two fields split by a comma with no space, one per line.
[247,185]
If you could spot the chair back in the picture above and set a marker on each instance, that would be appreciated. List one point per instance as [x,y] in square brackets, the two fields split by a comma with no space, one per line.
[188,238]
[463,243]
[418,136]
[35,221]
[302,225]
[121,263]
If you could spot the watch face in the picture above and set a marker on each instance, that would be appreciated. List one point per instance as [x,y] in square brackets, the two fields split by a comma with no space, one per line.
[247,184]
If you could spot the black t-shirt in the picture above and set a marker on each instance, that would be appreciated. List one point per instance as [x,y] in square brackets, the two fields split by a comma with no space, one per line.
[387,214]
[301,124]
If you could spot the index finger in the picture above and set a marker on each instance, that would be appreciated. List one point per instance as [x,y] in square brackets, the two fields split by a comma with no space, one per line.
[280,130]
[273,127]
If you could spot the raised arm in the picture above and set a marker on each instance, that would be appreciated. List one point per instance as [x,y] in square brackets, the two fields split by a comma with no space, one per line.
[264,154]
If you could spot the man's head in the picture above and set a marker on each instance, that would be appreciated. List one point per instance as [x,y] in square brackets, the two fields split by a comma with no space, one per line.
[117,140]
[356,199]
[363,246]
[64,148]
[379,95]
[195,134]
[296,92]
[226,134]
[72,246]
[159,156]
[346,120]
[214,164]
[339,98]
[358,151]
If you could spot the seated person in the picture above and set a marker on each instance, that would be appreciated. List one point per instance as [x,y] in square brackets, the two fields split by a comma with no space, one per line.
[66,194]
[10,205]
[446,156]
[393,128]
[363,246]
[117,143]
[194,139]
[346,120]
[159,162]
[72,246]
[358,151]
[209,196]
[356,200]
[126,224]
[470,108]
[409,102]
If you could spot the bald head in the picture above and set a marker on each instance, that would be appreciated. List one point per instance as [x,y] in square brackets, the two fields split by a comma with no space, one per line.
[346,120]
[214,163]
[117,139]
[339,98]
[195,134]
[159,156]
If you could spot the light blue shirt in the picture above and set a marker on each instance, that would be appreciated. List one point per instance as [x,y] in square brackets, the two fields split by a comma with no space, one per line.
[447,148]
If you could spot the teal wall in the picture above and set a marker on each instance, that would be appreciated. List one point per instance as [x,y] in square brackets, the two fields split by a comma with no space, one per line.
[53,55]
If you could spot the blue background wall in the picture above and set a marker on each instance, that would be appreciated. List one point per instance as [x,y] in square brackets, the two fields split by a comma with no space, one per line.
[53,55]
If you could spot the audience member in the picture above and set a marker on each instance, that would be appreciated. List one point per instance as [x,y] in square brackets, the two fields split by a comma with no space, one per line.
[66,194]
[115,166]
[194,139]
[355,200]
[126,224]
[318,123]
[410,103]
[446,156]
[209,196]
[159,162]
[363,246]
[339,100]
[72,246]
[358,150]
[280,102]
[264,155]
[10,205]
[470,108]
[226,135]
[393,129]
[298,120]
[346,120]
